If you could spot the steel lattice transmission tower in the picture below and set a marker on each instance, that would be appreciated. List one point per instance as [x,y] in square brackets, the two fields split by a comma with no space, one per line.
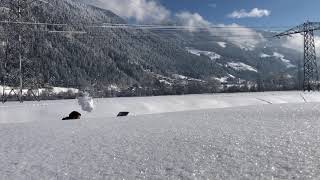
[311,75]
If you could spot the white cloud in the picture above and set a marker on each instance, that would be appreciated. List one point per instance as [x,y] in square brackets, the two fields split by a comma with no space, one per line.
[240,36]
[295,42]
[146,11]
[192,20]
[254,13]
[149,11]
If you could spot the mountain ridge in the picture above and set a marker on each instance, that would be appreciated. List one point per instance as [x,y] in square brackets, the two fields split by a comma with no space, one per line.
[128,58]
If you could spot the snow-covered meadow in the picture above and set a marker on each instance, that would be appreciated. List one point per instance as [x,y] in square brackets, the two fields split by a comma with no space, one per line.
[271,135]
[13,112]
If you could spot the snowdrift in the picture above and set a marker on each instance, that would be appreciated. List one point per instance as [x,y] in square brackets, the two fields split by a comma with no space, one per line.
[253,142]
[13,112]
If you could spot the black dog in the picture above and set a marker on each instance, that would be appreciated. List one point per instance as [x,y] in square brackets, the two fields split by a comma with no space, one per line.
[73,115]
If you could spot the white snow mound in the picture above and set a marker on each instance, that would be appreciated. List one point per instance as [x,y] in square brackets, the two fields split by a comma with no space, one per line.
[86,102]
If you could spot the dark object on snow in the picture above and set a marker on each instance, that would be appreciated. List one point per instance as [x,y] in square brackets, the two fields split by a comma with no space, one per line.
[121,114]
[73,115]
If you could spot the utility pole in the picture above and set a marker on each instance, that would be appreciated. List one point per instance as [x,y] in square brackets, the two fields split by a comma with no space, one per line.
[18,12]
[19,23]
[20,55]
[311,75]
[15,30]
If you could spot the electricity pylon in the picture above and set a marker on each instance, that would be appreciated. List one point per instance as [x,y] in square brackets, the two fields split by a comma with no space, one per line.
[15,45]
[311,75]
[19,28]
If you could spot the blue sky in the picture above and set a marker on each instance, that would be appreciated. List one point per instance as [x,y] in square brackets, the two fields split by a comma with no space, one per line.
[246,14]
[283,12]
[280,12]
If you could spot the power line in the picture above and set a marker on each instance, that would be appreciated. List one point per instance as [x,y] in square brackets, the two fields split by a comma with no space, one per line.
[136,27]
[89,30]
[180,26]
[141,26]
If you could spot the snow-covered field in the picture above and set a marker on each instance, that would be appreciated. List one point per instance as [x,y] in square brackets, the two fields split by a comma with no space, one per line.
[54,110]
[257,137]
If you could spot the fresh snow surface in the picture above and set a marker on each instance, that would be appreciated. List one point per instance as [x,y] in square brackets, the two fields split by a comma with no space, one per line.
[211,55]
[222,44]
[256,142]
[14,112]
[239,66]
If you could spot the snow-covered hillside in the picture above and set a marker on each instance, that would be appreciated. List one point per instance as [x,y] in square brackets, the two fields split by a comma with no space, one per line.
[281,57]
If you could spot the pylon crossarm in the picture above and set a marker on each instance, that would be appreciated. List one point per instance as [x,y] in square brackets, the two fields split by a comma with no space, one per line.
[308,26]
[295,30]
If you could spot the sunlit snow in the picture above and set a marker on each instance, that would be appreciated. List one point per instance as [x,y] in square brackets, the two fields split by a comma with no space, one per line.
[222,44]
[264,141]
[239,66]
[211,55]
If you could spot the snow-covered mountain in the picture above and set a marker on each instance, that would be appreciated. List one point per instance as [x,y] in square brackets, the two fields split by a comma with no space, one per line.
[250,59]
[142,59]
[126,58]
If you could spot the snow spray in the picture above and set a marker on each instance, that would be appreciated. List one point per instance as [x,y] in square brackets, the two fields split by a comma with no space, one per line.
[85,101]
